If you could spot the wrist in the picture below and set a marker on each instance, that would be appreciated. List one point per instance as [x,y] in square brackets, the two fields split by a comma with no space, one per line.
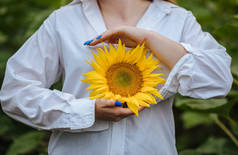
[149,35]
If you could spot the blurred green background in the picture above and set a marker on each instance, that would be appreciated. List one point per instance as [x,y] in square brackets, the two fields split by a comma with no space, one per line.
[203,127]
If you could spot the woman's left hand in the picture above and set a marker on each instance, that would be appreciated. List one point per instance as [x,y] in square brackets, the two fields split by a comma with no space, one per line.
[165,49]
[130,36]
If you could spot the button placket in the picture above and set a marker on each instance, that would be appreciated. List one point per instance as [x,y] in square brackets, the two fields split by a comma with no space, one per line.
[118,137]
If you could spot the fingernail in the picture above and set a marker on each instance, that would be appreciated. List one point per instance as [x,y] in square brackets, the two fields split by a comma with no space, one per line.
[99,37]
[88,42]
[118,103]
[124,105]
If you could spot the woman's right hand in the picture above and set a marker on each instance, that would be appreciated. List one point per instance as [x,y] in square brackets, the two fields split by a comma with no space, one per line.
[106,110]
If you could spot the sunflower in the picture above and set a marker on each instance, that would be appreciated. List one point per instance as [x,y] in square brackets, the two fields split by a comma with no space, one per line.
[124,76]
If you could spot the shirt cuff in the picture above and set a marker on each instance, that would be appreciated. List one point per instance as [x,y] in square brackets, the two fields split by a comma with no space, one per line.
[82,117]
[171,85]
[190,49]
[90,124]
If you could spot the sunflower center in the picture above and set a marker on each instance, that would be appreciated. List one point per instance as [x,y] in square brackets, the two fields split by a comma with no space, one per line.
[124,79]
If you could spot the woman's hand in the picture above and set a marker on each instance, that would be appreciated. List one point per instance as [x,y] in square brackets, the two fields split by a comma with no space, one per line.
[106,110]
[130,36]
[166,50]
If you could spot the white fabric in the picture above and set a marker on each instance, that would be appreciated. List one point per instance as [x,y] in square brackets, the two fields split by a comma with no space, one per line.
[57,49]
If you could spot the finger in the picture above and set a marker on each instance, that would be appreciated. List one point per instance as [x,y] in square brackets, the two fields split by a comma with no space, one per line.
[141,108]
[109,103]
[106,36]
[125,112]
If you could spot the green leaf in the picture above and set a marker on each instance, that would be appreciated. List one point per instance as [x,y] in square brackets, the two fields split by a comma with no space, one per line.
[212,146]
[229,149]
[26,143]
[4,56]
[195,104]
[5,124]
[219,106]
[234,68]
[218,146]
[192,119]
[233,93]
[229,31]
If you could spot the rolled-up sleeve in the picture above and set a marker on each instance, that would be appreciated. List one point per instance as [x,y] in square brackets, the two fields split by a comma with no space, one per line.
[25,94]
[205,71]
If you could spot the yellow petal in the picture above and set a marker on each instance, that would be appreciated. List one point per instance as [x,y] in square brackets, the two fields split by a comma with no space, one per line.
[100,59]
[133,107]
[151,83]
[113,54]
[146,97]
[109,95]
[89,81]
[144,104]
[96,67]
[94,75]
[93,93]
[156,93]
[94,86]
[121,51]
[97,96]
[105,49]
[103,55]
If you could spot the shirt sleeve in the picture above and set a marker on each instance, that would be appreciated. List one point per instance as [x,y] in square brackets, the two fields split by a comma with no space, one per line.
[25,94]
[205,71]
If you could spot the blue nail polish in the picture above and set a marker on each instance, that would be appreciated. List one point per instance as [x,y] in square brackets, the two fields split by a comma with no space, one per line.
[125,105]
[88,42]
[99,37]
[85,43]
[118,103]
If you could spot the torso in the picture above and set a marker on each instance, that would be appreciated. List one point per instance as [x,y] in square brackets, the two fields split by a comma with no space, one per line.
[74,25]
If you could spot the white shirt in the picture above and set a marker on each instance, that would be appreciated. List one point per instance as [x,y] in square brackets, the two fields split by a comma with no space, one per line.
[57,49]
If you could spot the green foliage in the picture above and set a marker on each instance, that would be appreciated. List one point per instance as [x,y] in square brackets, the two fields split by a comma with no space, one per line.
[202,126]
[193,119]
[200,105]
[220,18]
[218,146]
[26,143]
[19,20]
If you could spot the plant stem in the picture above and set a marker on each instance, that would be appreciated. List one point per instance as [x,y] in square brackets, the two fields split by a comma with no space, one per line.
[235,82]
[232,121]
[227,131]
